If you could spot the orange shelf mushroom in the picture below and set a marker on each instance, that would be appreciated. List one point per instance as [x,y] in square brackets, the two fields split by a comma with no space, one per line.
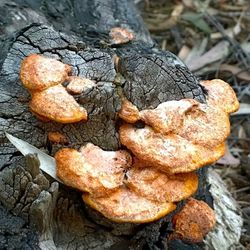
[117,189]
[193,222]
[92,169]
[43,77]
[157,186]
[77,84]
[56,104]
[169,153]
[38,73]
[178,138]
[126,206]
[182,136]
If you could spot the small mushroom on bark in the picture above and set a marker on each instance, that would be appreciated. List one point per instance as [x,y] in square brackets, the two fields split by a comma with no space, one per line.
[43,77]
[120,35]
[77,84]
[57,137]
[129,112]
[193,222]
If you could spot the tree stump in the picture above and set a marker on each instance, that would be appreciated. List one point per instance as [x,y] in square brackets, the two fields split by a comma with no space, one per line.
[35,211]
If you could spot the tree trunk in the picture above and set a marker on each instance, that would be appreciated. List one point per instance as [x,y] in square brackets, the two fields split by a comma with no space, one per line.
[36,212]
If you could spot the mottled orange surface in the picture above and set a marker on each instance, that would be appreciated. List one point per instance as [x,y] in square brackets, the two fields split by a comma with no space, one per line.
[77,84]
[56,104]
[169,153]
[57,137]
[157,186]
[126,206]
[194,221]
[38,72]
[129,112]
[92,169]
[181,136]
[120,35]
[221,94]
[43,77]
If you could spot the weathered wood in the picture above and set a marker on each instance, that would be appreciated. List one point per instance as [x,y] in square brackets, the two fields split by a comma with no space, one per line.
[145,75]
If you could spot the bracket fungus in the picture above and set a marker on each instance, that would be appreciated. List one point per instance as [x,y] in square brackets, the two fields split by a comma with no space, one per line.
[121,35]
[182,136]
[143,182]
[119,191]
[77,85]
[43,77]
[194,221]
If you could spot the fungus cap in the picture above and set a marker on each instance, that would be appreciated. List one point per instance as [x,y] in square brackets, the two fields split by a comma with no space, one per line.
[168,116]
[92,169]
[126,206]
[168,153]
[129,112]
[158,186]
[56,104]
[57,137]
[38,72]
[121,35]
[221,94]
[193,222]
[77,84]
[200,124]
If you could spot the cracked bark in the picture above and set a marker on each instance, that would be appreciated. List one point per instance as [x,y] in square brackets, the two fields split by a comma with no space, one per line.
[48,215]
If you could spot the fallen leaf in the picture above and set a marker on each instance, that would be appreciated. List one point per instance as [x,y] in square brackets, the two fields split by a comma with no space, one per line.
[243,110]
[219,51]
[47,163]
[197,20]
[237,71]
[228,159]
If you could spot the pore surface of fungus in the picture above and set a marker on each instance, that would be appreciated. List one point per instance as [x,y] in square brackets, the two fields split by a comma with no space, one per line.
[194,221]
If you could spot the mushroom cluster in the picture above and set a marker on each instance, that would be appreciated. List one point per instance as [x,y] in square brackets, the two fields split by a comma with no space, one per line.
[43,77]
[143,182]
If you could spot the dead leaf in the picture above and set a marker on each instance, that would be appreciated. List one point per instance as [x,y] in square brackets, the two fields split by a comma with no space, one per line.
[228,159]
[47,163]
[237,71]
[243,110]
[197,20]
[184,52]
[219,51]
